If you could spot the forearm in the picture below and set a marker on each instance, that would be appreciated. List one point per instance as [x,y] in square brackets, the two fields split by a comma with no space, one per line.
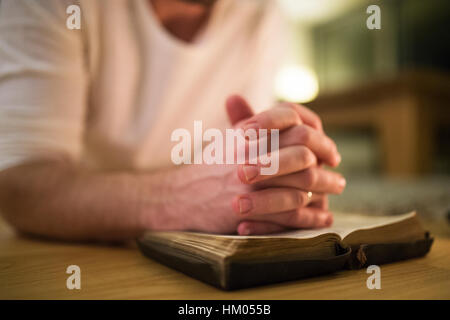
[59,200]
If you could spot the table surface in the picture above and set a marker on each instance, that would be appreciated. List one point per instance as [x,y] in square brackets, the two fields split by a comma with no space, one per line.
[36,269]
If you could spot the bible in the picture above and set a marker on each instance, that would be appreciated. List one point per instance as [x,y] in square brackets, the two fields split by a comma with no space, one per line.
[232,262]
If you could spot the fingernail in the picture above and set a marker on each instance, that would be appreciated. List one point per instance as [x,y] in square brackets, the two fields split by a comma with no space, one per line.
[245,205]
[338,158]
[250,172]
[342,183]
[329,220]
[245,231]
[249,126]
[323,219]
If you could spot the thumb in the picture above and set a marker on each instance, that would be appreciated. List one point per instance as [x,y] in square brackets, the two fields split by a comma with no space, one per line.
[237,109]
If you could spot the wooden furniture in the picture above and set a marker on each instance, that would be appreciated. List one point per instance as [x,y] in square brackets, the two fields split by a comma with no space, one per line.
[404,112]
[36,269]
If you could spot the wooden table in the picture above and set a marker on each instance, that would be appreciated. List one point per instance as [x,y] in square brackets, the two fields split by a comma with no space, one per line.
[35,269]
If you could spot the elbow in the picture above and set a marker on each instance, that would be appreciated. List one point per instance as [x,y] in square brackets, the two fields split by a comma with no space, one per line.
[11,210]
[17,200]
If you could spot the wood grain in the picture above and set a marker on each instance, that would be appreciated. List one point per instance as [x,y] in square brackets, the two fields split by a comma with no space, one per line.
[35,269]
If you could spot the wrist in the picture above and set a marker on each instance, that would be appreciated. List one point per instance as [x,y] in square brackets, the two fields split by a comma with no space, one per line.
[158,206]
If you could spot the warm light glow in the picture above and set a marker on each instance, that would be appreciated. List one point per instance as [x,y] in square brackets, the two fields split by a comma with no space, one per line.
[296,84]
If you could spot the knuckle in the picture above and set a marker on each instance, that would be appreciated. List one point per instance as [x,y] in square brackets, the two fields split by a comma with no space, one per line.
[296,116]
[303,134]
[285,201]
[292,107]
[262,118]
[305,156]
[304,219]
[300,199]
[289,105]
[300,219]
[309,177]
[293,219]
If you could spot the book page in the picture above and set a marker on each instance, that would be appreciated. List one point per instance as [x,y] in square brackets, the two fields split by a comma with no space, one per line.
[343,225]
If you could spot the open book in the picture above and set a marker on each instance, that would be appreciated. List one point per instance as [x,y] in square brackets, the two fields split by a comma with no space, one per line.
[232,262]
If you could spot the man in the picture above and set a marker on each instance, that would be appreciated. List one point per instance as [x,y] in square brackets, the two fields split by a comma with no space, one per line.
[86,117]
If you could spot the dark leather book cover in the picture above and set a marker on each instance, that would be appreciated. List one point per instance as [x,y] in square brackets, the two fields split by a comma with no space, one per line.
[238,274]
[243,273]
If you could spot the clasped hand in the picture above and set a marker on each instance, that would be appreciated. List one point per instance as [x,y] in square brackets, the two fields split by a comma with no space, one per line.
[238,198]
[304,146]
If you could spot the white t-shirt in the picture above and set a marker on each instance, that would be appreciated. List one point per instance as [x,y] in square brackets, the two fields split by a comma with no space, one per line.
[110,94]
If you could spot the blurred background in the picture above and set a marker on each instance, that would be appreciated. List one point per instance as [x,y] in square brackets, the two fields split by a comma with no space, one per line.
[383,95]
